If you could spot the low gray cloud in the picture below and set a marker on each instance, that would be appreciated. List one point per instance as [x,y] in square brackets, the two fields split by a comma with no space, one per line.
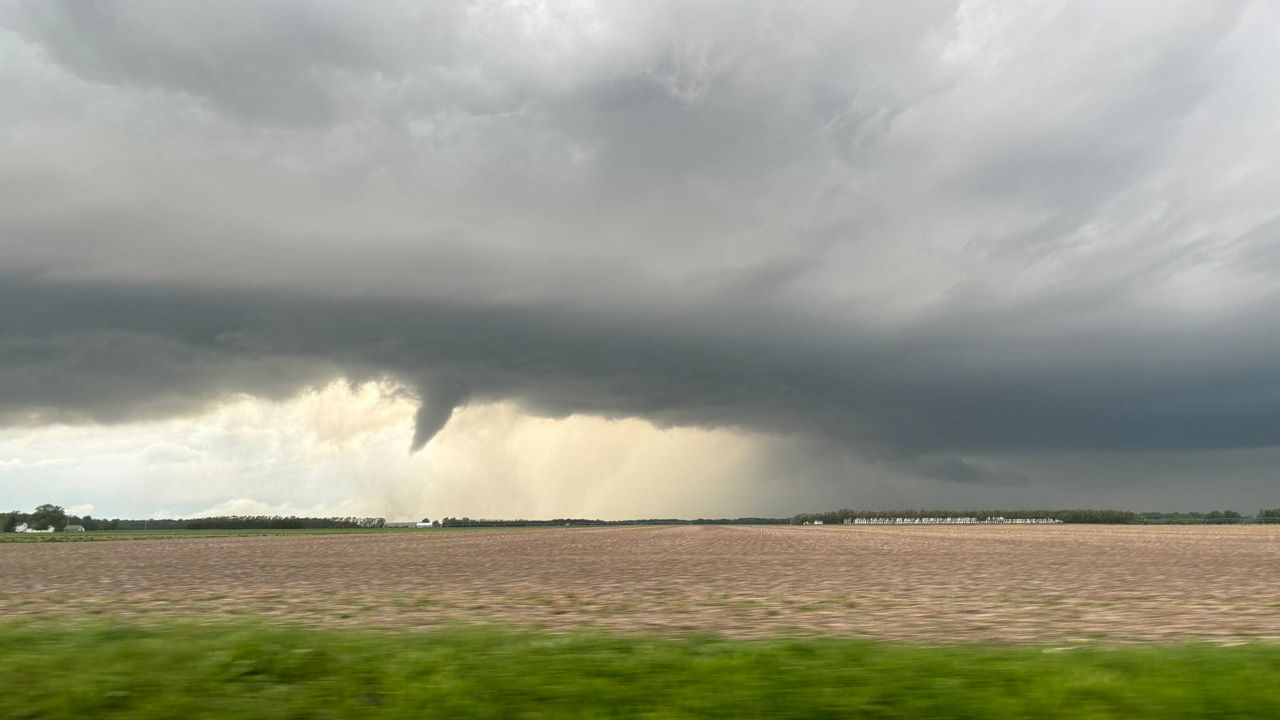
[954,385]
[914,233]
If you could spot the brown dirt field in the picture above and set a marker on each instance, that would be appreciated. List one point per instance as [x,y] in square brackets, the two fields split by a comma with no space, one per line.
[1048,584]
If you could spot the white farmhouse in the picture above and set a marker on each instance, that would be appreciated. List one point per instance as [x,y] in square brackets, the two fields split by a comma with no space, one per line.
[25,528]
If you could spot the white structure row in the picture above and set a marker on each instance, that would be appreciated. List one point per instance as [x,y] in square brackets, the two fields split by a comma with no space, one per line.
[951,521]
[25,528]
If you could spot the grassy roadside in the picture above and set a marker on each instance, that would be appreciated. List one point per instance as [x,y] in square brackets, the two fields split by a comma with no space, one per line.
[257,671]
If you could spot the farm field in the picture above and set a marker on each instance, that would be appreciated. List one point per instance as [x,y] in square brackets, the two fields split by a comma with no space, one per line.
[1040,585]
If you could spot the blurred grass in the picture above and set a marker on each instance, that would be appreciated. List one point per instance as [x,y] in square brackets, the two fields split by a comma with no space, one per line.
[184,670]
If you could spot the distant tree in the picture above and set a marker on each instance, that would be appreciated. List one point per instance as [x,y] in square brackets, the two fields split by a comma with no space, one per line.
[9,521]
[49,516]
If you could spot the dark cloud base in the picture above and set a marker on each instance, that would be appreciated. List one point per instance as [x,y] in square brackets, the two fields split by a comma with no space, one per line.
[974,384]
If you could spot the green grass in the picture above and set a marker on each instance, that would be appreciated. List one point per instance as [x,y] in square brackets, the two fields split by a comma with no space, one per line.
[257,671]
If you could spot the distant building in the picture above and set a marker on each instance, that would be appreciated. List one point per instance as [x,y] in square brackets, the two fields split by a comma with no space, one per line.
[25,528]
[73,528]
[949,521]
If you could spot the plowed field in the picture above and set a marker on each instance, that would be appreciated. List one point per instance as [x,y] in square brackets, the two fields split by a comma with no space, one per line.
[1049,584]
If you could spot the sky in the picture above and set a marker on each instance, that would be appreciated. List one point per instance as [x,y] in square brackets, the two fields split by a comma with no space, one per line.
[627,259]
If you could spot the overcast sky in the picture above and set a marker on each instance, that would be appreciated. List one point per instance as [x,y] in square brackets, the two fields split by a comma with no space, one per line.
[638,258]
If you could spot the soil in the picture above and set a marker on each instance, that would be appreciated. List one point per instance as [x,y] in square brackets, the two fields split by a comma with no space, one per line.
[1059,584]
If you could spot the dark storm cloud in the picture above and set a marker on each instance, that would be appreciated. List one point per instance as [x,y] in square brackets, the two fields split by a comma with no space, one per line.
[916,233]
[106,353]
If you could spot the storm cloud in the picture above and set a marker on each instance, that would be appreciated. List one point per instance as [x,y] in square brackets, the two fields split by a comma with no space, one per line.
[916,233]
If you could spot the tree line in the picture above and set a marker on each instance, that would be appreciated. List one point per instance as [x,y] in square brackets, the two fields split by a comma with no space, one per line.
[1214,517]
[1102,517]
[277,522]
[44,517]
[56,517]
[584,522]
